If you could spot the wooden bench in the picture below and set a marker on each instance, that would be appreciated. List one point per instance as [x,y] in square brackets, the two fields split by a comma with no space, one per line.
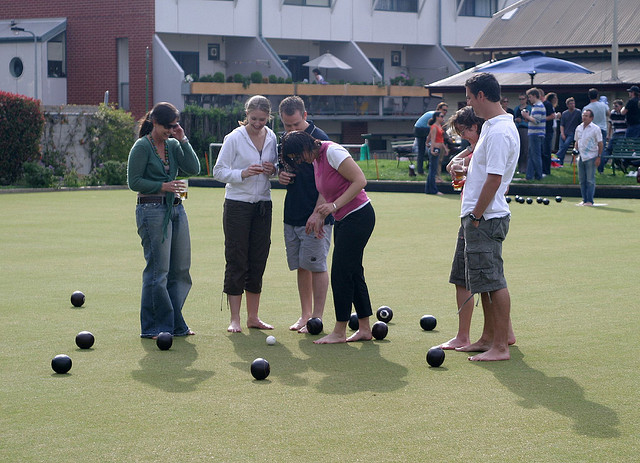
[623,152]
[403,149]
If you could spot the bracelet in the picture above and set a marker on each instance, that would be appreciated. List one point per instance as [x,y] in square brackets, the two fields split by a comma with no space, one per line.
[184,139]
[335,208]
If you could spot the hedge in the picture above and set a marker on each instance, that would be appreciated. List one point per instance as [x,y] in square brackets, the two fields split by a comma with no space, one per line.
[21,125]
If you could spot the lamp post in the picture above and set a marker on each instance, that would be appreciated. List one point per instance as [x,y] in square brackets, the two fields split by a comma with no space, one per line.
[35,52]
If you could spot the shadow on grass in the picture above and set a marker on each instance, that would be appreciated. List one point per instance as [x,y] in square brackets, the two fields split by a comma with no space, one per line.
[169,370]
[559,394]
[251,344]
[352,367]
[347,368]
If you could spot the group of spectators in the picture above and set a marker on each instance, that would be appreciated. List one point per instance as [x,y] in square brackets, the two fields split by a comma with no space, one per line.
[539,123]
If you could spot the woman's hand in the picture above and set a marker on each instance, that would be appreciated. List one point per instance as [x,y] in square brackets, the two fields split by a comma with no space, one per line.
[253,169]
[325,209]
[174,186]
[178,133]
[269,167]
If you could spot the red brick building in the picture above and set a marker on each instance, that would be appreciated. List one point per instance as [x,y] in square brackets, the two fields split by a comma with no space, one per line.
[97,34]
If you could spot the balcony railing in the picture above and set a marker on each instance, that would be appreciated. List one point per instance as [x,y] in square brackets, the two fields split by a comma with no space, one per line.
[336,100]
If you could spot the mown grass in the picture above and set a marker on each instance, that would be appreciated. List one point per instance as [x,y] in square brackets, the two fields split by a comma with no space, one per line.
[569,394]
[389,169]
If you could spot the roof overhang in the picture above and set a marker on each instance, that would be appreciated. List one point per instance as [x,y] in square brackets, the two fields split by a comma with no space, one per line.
[44,29]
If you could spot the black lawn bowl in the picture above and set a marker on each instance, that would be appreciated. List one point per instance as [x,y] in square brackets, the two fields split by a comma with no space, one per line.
[435,356]
[379,330]
[260,369]
[77,298]
[314,325]
[546,201]
[539,200]
[558,199]
[164,340]
[520,200]
[529,201]
[384,314]
[354,324]
[508,199]
[84,340]
[61,364]
[428,322]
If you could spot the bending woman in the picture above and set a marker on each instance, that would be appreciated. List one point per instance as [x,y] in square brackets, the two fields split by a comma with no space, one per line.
[246,160]
[340,183]
[155,157]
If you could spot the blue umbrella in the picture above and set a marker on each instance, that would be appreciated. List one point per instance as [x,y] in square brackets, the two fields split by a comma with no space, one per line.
[533,62]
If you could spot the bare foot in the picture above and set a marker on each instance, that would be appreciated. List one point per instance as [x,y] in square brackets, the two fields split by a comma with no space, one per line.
[479,346]
[512,340]
[360,335]
[303,329]
[234,327]
[259,324]
[332,338]
[454,343]
[492,355]
[299,324]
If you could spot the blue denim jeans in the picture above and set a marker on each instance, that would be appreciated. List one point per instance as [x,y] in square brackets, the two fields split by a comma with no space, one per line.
[564,146]
[587,176]
[165,280]
[434,165]
[534,162]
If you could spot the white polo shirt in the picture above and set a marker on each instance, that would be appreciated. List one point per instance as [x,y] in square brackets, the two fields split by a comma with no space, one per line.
[588,138]
[497,153]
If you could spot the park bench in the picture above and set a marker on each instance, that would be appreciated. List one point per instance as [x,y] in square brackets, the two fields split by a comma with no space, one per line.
[403,149]
[624,152]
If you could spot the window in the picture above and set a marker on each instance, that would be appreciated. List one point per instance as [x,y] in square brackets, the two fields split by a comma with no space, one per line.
[308,2]
[16,67]
[479,8]
[407,6]
[57,56]
[189,61]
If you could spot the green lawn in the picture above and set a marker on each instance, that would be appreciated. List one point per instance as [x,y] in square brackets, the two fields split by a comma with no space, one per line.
[569,394]
[389,169]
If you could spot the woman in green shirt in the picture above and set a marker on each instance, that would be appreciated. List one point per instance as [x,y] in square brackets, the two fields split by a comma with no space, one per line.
[155,157]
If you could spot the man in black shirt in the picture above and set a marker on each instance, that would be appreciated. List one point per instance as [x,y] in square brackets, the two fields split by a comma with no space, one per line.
[305,253]
[632,111]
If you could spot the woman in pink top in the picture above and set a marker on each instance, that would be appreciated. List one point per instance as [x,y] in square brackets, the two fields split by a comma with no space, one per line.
[341,183]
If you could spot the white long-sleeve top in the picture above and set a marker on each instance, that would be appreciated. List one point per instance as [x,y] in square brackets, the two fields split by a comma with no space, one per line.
[238,153]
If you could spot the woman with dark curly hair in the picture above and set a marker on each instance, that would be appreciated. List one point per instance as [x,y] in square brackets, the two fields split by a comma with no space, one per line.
[340,183]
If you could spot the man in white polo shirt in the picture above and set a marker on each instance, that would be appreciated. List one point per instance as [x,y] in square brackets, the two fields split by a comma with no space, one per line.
[589,144]
[485,215]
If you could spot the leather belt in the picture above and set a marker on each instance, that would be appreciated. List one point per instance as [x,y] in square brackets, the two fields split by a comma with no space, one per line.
[156,200]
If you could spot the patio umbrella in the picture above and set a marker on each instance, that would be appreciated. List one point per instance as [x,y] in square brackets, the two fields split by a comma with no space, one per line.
[532,63]
[327,61]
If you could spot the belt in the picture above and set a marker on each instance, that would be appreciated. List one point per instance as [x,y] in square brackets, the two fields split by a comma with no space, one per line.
[157,200]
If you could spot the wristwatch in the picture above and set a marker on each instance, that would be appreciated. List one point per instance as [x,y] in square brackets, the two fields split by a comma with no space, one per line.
[474,218]
[184,139]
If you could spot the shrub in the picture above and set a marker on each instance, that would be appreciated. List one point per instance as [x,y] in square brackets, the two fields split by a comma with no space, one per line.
[238,78]
[207,78]
[109,173]
[36,175]
[256,77]
[273,79]
[111,134]
[21,124]
[218,77]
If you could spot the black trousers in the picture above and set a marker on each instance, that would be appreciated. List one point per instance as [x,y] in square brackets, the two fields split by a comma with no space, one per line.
[421,134]
[247,240]
[350,236]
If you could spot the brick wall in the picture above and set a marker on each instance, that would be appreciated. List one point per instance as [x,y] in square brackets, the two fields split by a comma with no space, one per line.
[92,29]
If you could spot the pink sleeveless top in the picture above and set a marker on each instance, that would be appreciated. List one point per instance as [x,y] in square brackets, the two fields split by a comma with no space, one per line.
[331,184]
